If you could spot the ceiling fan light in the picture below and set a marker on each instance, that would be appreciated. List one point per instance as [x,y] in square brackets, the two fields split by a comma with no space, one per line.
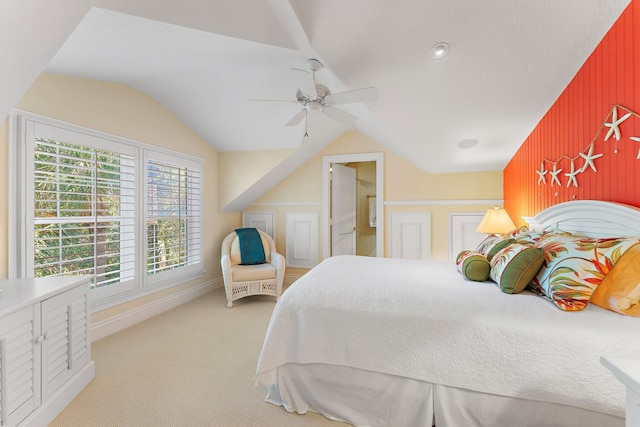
[439,50]
[314,106]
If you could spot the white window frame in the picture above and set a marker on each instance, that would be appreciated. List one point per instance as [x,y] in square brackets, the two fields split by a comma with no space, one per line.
[21,128]
[193,269]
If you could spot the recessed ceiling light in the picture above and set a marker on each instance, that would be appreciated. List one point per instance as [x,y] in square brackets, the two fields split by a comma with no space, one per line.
[439,50]
[467,143]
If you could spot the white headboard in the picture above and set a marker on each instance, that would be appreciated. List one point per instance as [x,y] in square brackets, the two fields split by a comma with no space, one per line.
[592,218]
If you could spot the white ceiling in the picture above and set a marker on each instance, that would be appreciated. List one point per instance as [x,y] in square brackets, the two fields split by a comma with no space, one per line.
[203,60]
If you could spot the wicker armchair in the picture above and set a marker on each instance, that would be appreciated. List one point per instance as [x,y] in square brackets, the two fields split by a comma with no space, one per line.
[244,280]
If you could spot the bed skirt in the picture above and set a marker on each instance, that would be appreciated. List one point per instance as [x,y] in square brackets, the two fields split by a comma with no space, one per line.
[373,399]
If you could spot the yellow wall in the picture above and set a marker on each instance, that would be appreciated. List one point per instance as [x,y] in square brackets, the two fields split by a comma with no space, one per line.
[120,110]
[238,170]
[406,186]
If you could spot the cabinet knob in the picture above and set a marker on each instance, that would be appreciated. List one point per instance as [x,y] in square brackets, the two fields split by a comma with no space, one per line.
[39,339]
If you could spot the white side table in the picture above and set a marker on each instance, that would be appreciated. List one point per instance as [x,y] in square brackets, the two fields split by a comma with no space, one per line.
[628,372]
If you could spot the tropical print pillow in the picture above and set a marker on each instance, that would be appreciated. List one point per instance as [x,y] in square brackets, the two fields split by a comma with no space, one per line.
[517,231]
[533,237]
[492,245]
[574,266]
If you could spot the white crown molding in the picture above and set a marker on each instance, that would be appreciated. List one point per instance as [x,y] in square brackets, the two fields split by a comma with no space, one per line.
[443,202]
[286,204]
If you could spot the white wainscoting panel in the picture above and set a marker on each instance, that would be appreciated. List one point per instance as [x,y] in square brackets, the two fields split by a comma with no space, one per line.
[462,232]
[410,235]
[302,239]
[263,221]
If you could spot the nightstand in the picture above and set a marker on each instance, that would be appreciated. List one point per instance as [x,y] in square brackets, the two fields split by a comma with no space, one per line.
[628,372]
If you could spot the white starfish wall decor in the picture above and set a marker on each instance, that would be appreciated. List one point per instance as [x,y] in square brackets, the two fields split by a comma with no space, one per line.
[637,139]
[572,175]
[554,175]
[589,158]
[614,126]
[542,172]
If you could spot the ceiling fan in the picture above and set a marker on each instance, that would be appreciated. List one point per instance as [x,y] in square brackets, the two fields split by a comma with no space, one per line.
[313,96]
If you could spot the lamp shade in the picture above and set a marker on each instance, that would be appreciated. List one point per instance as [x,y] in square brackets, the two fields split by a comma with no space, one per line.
[496,221]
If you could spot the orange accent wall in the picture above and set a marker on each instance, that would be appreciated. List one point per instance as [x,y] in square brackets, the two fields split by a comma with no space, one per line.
[610,76]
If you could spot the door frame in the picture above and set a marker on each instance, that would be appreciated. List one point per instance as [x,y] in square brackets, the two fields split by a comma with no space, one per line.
[377,157]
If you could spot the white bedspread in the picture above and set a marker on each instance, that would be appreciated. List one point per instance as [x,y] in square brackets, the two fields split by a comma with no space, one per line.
[422,320]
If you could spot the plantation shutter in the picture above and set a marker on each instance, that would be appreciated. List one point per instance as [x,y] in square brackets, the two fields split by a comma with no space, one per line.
[173,215]
[89,203]
[83,210]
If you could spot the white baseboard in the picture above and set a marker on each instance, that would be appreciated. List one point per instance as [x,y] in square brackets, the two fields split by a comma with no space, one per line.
[122,321]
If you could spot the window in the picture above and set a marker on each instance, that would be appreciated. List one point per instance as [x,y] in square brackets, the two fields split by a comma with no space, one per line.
[173,215]
[126,213]
[83,207]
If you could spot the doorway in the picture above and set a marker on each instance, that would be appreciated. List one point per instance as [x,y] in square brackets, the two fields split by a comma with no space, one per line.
[372,206]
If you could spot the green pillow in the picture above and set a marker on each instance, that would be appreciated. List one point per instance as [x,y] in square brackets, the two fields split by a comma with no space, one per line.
[514,267]
[473,266]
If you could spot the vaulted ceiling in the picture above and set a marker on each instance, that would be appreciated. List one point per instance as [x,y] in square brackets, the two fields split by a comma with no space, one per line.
[204,60]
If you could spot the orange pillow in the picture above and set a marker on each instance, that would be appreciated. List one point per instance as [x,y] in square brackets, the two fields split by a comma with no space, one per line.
[620,289]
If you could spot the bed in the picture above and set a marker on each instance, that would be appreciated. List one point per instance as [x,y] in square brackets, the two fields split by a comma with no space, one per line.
[391,342]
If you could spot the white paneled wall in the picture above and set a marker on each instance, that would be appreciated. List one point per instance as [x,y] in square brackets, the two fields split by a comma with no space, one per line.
[302,239]
[410,235]
[263,221]
[462,232]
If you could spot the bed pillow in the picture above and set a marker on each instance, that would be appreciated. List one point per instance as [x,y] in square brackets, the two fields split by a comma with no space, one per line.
[574,266]
[515,266]
[473,266]
[517,231]
[619,291]
[534,237]
[492,245]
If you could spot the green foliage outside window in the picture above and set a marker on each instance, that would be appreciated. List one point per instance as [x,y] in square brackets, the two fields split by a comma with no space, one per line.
[77,207]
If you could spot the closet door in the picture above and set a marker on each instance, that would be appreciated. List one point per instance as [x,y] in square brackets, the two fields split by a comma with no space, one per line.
[19,365]
[66,346]
[462,232]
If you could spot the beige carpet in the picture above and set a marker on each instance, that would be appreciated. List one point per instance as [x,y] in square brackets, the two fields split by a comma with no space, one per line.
[192,366]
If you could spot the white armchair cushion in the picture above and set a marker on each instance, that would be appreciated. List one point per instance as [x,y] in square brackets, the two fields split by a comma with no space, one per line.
[246,273]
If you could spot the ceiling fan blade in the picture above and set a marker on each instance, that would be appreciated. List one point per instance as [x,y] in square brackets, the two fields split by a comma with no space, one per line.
[306,82]
[273,100]
[366,94]
[297,118]
[343,117]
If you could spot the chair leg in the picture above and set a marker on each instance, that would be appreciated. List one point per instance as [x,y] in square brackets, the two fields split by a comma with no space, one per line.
[229,304]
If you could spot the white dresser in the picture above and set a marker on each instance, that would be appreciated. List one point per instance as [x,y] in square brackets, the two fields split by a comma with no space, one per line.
[45,348]
[628,372]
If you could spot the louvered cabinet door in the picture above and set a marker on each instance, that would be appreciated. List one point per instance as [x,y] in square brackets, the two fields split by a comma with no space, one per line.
[19,365]
[66,346]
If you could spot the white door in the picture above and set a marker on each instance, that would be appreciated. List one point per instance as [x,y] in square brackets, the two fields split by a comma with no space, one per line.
[343,210]
[462,232]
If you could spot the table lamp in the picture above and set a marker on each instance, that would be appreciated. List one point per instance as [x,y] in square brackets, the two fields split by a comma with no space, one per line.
[496,221]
